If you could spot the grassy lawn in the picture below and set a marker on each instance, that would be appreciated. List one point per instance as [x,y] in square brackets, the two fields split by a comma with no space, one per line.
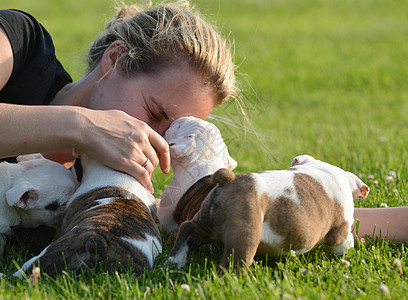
[323,77]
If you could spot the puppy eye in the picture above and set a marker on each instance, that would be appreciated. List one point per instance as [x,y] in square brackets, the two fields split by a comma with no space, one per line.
[53,206]
[191,136]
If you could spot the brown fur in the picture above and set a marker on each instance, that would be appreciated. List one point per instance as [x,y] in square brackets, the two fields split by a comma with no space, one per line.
[233,213]
[222,176]
[309,223]
[191,201]
[94,237]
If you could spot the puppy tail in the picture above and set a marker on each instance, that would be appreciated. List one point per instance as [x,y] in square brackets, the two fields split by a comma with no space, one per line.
[222,176]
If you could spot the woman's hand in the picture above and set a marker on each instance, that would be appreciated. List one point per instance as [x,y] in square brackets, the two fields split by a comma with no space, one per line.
[111,137]
[123,143]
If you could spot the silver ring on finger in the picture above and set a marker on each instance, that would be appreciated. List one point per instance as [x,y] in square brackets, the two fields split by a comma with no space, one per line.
[146,163]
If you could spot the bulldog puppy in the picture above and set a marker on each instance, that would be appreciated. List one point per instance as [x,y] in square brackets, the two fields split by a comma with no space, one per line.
[109,221]
[197,150]
[274,212]
[33,192]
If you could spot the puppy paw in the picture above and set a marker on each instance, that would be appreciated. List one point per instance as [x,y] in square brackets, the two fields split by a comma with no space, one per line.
[343,248]
[179,259]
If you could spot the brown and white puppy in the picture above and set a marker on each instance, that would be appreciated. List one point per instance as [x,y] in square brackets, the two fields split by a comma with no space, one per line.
[271,212]
[33,192]
[197,150]
[111,219]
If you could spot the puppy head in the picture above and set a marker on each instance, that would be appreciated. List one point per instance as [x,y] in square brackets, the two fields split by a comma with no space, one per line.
[193,140]
[42,191]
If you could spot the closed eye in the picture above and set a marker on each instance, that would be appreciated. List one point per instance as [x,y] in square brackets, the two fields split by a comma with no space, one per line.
[161,110]
[148,108]
[53,206]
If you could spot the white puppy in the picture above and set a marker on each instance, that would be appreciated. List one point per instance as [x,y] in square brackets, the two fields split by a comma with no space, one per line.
[33,192]
[197,150]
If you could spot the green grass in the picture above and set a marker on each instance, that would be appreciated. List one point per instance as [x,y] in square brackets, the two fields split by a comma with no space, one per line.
[323,77]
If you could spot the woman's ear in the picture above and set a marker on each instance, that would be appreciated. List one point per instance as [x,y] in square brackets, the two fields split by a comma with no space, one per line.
[111,57]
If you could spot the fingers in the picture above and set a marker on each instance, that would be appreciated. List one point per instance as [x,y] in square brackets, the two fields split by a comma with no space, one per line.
[140,173]
[162,150]
[149,166]
[124,143]
[148,152]
[155,150]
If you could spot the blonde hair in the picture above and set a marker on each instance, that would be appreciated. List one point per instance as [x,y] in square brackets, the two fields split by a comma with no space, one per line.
[167,34]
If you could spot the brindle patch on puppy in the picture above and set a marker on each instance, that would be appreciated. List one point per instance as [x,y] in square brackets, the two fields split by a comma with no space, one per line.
[108,226]
[191,201]
[103,234]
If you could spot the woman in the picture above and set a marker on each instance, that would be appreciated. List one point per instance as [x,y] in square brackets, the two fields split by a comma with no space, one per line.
[146,69]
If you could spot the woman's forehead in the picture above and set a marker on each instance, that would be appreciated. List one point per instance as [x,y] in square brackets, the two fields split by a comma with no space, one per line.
[182,85]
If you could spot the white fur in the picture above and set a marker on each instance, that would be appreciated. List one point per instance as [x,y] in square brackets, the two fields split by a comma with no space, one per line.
[27,187]
[268,236]
[150,247]
[343,248]
[197,150]
[28,264]
[273,183]
[102,201]
[181,257]
[98,176]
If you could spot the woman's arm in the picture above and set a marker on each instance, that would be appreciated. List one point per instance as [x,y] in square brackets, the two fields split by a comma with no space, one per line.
[112,137]
[391,222]
[29,129]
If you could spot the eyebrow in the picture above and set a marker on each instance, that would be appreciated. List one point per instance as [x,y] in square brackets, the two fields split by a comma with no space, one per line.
[161,109]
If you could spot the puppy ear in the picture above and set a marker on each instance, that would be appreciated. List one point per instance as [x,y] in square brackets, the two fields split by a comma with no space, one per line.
[232,163]
[27,157]
[358,187]
[229,161]
[302,159]
[22,195]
